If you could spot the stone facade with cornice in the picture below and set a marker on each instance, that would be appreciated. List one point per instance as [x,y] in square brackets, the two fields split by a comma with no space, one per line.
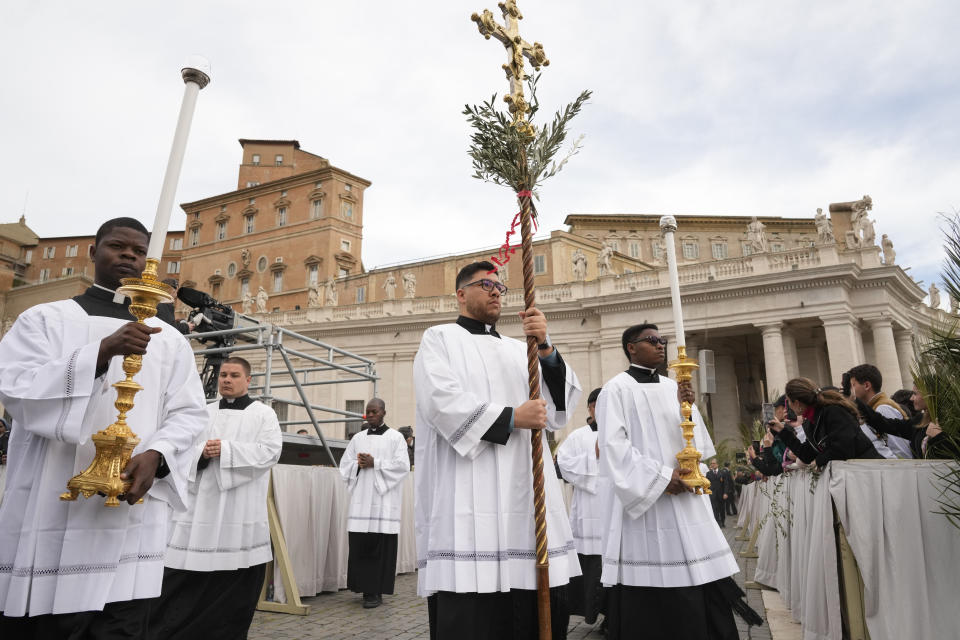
[772,297]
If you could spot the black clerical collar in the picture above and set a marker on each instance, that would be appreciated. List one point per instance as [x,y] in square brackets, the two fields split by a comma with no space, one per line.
[238,404]
[98,301]
[476,327]
[377,431]
[643,374]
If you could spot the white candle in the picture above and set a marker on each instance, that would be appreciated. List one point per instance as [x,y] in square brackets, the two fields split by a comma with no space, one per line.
[668,224]
[195,77]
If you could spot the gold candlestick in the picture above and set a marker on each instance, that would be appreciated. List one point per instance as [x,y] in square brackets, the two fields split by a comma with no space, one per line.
[689,457]
[115,444]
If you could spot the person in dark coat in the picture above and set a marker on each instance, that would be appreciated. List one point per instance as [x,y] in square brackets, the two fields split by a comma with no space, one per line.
[718,492]
[831,425]
[729,488]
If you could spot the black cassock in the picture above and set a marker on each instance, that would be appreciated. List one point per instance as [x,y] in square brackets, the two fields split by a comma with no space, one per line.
[372,558]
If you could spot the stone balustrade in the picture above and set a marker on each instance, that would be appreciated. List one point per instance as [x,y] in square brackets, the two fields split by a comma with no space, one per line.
[658,278]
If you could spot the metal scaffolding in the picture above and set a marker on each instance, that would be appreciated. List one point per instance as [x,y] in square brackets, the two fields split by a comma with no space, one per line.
[300,369]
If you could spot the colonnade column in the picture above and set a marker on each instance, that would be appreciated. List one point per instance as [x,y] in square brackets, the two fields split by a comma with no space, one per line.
[904,342]
[774,359]
[844,347]
[885,349]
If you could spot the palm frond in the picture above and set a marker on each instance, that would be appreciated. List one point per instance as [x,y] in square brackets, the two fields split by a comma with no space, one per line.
[504,155]
[936,373]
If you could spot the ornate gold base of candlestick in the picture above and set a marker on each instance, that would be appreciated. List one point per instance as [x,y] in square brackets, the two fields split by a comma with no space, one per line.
[115,444]
[689,457]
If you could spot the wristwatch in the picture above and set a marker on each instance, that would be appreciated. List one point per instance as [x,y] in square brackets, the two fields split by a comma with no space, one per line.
[162,469]
[546,344]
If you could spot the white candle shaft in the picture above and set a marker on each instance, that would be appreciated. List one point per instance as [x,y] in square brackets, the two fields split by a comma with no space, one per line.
[168,191]
[674,287]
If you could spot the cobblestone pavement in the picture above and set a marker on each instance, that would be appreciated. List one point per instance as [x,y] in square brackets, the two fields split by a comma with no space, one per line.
[403,616]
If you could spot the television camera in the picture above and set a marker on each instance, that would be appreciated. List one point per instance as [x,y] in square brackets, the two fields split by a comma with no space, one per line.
[209,315]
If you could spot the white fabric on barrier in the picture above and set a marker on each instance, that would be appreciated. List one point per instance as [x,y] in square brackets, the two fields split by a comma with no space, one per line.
[786,500]
[407,542]
[908,555]
[766,571]
[802,498]
[744,504]
[821,597]
[312,503]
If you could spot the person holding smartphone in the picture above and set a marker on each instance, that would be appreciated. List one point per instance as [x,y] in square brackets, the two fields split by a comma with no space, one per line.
[831,425]
[766,455]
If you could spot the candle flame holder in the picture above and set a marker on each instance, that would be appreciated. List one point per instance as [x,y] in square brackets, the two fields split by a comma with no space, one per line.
[689,457]
[115,444]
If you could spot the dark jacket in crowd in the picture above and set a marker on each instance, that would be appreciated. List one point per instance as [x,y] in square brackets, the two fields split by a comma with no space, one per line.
[718,485]
[766,461]
[938,446]
[832,434]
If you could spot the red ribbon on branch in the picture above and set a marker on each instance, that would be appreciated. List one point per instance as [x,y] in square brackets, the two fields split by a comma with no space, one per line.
[506,250]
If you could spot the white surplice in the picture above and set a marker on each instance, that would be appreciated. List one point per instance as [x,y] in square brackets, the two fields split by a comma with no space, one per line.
[375,494]
[578,462]
[653,539]
[474,498]
[226,526]
[63,557]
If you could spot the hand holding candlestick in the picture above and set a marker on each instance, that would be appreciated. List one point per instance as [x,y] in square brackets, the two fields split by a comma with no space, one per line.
[689,457]
[109,473]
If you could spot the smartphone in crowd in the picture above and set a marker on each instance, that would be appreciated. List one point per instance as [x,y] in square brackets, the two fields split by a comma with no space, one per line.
[756,446]
[768,413]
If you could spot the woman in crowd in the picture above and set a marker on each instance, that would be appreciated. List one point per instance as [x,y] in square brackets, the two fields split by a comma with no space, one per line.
[831,425]
[926,438]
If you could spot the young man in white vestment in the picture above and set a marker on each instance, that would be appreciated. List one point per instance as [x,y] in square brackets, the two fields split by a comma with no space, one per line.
[374,465]
[665,559]
[218,548]
[578,459]
[474,480]
[79,569]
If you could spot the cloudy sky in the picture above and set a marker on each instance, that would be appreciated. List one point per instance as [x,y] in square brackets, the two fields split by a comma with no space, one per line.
[699,107]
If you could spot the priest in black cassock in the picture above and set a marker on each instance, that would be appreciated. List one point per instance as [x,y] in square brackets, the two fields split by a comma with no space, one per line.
[474,481]
[78,569]
[665,558]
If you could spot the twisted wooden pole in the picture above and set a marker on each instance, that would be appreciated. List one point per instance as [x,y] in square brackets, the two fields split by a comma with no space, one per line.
[536,435]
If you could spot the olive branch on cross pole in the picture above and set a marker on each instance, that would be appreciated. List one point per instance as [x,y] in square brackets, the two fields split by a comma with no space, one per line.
[511,151]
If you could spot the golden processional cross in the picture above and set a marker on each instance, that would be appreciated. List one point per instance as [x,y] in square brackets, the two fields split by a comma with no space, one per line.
[517,48]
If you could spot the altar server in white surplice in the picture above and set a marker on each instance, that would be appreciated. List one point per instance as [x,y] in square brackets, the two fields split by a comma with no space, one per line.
[80,569]
[578,459]
[474,480]
[218,549]
[664,556]
[374,466]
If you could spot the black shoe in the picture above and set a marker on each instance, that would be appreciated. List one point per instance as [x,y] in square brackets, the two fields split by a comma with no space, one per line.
[371,601]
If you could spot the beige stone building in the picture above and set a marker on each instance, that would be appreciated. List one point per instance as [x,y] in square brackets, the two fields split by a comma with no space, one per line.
[798,307]
[770,297]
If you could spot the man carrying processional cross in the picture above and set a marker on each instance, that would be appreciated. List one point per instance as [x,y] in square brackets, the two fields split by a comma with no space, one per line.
[494,546]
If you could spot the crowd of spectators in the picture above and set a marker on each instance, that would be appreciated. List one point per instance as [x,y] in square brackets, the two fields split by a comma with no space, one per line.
[814,425]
